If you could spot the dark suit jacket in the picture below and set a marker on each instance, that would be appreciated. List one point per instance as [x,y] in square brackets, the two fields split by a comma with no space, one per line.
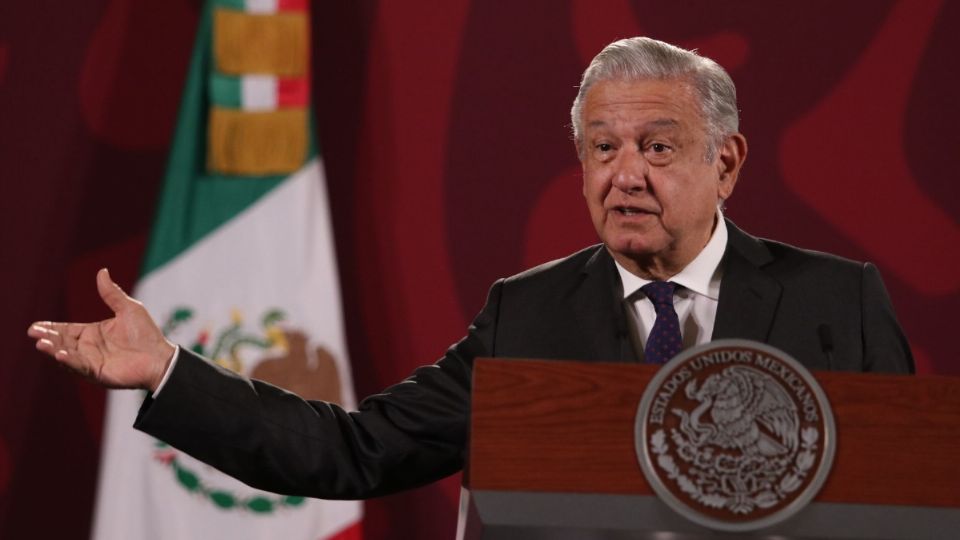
[415,432]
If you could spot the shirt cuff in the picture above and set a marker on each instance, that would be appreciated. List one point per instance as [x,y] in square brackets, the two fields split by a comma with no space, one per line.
[170,366]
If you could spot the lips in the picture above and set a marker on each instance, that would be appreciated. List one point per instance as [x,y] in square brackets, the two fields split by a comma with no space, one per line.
[632,211]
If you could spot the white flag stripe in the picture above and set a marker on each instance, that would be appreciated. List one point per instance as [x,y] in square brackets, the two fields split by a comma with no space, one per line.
[261,6]
[258,92]
[278,253]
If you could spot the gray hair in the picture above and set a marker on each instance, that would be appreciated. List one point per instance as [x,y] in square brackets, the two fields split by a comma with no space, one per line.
[640,58]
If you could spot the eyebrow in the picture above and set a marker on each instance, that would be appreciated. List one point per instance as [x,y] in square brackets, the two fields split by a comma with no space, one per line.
[658,123]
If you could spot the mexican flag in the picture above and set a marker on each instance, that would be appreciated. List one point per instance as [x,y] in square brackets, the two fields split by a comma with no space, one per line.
[241,268]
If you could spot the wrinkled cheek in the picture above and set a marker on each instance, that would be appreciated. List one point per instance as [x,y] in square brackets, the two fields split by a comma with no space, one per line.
[597,213]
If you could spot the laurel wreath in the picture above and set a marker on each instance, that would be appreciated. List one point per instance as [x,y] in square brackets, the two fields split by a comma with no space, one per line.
[231,338]
[742,503]
[257,504]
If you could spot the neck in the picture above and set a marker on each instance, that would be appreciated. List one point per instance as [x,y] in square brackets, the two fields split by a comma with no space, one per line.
[663,266]
[653,268]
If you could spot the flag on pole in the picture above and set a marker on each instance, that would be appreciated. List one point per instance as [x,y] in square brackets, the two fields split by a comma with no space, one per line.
[240,267]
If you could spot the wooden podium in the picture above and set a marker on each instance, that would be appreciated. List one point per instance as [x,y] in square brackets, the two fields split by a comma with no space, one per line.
[552,456]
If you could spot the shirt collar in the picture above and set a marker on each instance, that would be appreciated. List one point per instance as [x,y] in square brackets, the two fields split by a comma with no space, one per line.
[702,275]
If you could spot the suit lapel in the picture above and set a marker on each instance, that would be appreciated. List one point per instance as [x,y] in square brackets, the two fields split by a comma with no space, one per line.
[601,310]
[748,295]
[747,306]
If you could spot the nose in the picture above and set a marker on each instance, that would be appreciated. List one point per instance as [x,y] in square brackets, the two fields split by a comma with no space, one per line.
[631,171]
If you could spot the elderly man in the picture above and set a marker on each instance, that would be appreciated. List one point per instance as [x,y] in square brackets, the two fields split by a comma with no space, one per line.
[656,130]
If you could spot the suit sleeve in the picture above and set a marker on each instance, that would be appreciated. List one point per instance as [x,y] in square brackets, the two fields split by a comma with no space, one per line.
[885,346]
[412,433]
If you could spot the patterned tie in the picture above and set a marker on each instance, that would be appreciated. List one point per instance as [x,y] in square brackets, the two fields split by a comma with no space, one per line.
[664,341]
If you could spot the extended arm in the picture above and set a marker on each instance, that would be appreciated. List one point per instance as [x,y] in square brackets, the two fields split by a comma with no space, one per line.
[410,434]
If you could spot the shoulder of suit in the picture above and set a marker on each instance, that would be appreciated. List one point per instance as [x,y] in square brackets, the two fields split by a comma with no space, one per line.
[773,254]
[556,286]
[572,265]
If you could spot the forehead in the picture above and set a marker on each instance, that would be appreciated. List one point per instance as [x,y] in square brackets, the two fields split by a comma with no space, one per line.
[658,103]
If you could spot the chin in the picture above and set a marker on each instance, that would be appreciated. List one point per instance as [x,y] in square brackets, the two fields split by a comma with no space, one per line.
[634,247]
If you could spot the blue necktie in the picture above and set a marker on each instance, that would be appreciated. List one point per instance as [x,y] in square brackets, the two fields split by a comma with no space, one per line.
[664,341]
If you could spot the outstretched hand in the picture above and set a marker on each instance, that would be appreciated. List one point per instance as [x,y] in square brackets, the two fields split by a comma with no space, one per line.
[127,351]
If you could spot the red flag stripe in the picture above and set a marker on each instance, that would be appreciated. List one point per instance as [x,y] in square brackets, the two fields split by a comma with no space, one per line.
[292,5]
[293,92]
[353,532]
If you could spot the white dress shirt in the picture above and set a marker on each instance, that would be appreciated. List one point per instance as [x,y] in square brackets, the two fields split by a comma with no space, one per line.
[695,301]
[166,374]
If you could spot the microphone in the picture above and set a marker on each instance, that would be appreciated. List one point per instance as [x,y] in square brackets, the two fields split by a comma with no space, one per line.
[826,343]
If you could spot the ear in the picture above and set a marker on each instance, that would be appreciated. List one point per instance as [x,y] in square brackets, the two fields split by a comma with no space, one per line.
[732,154]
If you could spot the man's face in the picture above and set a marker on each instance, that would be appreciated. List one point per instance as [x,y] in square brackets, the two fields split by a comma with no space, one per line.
[651,193]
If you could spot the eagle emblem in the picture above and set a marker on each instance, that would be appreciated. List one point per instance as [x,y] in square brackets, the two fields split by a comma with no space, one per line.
[735,435]
[746,410]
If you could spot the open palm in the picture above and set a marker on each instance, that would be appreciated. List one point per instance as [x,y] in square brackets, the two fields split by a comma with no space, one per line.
[126,351]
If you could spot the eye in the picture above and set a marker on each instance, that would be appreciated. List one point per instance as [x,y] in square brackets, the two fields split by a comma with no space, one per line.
[604,151]
[659,153]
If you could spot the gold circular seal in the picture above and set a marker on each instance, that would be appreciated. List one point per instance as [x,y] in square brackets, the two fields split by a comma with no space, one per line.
[735,435]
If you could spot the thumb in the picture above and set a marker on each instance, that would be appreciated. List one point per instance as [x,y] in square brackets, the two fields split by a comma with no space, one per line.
[111,293]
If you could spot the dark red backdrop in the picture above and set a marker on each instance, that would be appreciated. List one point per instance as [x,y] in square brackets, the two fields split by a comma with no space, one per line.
[444,129]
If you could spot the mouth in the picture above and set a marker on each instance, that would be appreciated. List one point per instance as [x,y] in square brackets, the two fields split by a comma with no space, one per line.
[631,211]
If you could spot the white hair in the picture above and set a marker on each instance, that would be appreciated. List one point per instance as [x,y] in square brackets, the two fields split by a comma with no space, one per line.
[641,58]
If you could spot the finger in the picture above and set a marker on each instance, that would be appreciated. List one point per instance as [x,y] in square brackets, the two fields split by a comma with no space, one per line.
[64,357]
[38,330]
[39,327]
[47,334]
[49,347]
[61,334]
[111,293]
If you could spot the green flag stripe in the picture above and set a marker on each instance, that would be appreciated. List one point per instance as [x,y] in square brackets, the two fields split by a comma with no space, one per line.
[226,90]
[232,4]
[193,203]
